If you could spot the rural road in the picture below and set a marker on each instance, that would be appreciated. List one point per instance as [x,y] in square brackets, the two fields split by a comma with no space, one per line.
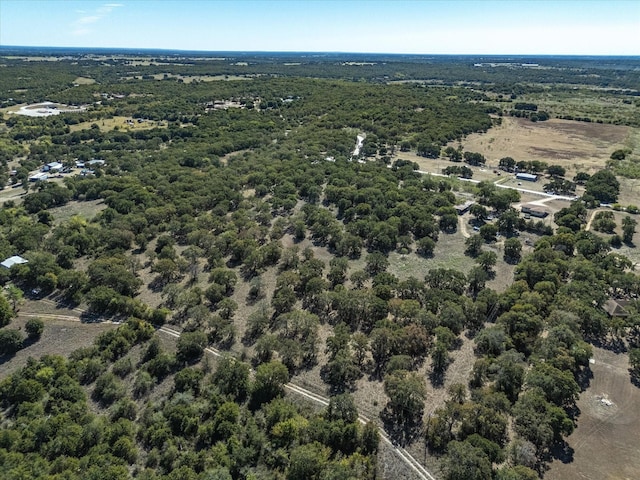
[551,196]
[405,456]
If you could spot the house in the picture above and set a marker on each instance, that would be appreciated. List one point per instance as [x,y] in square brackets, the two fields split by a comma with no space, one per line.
[94,161]
[15,260]
[529,177]
[534,210]
[464,207]
[616,307]
[53,167]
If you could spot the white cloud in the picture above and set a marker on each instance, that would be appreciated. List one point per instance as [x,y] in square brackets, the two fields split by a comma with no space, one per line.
[80,26]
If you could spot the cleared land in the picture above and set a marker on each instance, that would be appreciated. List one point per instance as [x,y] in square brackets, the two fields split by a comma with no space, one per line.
[577,146]
[63,333]
[605,444]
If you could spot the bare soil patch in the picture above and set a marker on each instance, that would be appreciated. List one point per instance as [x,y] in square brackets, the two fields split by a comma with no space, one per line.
[84,81]
[605,442]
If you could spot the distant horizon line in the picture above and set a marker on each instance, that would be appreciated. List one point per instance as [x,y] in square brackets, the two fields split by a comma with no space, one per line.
[310,52]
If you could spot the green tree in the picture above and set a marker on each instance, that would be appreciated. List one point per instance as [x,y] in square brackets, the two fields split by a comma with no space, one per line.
[603,186]
[269,382]
[232,378]
[466,462]
[10,341]
[487,260]
[473,245]
[34,327]
[15,296]
[512,250]
[308,462]
[406,392]
[191,346]
[6,312]
[634,362]
[628,229]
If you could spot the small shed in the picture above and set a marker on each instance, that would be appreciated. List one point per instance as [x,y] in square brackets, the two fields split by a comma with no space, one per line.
[529,177]
[616,307]
[15,260]
[534,211]
[464,207]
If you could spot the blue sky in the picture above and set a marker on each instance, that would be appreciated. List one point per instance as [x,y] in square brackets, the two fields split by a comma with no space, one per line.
[569,27]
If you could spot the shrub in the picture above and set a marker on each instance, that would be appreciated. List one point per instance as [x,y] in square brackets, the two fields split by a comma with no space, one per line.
[34,328]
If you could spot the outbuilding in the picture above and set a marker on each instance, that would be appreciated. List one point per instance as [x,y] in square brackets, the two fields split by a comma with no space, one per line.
[464,207]
[534,210]
[529,177]
[53,167]
[15,260]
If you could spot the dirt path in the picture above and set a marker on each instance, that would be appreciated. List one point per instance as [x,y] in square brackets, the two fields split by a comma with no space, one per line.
[405,456]
[593,215]
[462,225]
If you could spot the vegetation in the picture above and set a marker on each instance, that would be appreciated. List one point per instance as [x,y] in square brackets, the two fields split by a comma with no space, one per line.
[257,230]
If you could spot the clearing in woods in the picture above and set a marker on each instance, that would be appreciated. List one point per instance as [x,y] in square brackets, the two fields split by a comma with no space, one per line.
[605,442]
[577,146]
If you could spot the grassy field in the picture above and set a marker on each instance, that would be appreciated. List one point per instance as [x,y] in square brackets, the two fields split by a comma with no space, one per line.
[121,123]
[597,104]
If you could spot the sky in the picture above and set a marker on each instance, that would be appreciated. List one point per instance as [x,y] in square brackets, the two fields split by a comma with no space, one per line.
[538,27]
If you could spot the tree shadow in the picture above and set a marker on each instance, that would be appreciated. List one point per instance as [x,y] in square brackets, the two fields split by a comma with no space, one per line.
[6,357]
[157,284]
[562,451]
[615,345]
[584,378]
[436,378]
[401,431]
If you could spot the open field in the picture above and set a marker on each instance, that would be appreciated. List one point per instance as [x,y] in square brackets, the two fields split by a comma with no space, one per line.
[605,444]
[120,122]
[63,333]
[595,103]
[87,210]
[577,146]
[84,81]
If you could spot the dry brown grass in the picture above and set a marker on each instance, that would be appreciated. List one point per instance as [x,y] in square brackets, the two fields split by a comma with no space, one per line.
[577,146]
[109,124]
[605,444]
[84,81]
[60,336]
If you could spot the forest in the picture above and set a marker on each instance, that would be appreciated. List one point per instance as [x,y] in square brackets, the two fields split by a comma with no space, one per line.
[235,213]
